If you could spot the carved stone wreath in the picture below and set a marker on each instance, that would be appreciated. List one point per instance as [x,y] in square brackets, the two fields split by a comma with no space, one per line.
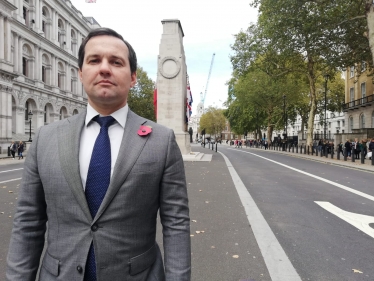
[169,67]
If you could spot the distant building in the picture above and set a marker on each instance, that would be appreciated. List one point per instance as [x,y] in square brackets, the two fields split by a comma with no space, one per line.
[359,103]
[39,42]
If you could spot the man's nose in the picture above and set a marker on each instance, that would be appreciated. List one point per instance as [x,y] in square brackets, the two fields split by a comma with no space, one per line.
[105,67]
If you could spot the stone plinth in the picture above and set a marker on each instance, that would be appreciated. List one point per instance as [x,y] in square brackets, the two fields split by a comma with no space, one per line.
[172,83]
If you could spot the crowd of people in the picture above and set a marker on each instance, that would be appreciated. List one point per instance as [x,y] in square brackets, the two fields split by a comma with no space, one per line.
[353,148]
[17,148]
[357,147]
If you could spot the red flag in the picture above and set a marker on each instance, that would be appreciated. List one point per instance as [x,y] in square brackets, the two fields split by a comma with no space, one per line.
[155,101]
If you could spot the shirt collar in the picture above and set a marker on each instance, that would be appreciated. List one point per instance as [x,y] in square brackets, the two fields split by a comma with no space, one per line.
[120,115]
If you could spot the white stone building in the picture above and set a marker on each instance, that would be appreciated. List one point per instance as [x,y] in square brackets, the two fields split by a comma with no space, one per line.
[194,122]
[39,42]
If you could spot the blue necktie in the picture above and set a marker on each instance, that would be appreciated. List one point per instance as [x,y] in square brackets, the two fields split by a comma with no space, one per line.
[98,179]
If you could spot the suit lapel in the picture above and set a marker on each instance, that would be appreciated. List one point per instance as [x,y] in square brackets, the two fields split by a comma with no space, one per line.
[69,135]
[131,146]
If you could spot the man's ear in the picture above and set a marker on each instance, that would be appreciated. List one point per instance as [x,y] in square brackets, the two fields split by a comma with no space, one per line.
[80,74]
[133,80]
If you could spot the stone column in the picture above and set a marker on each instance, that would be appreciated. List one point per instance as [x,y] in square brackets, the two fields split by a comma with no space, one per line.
[16,53]
[172,83]
[53,72]
[37,15]
[36,65]
[20,54]
[67,77]
[68,37]
[6,112]
[2,38]
[8,35]
[53,26]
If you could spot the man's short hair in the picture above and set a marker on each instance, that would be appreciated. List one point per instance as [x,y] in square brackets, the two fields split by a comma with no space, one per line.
[110,32]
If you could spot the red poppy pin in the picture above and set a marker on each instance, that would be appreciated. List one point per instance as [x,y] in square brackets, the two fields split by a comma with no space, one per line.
[144,130]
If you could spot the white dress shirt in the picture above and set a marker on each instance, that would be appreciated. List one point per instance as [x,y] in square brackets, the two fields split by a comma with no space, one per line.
[89,134]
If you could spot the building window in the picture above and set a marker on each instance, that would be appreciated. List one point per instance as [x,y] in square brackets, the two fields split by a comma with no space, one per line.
[43,25]
[27,111]
[343,123]
[24,13]
[43,73]
[351,71]
[45,114]
[338,123]
[363,90]
[24,66]
[329,124]
[352,94]
[350,124]
[362,121]
[363,66]
[59,80]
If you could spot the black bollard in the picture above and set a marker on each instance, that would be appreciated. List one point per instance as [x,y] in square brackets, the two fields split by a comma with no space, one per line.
[332,152]
[216,147]
[326,151]
[372,158]
[316,151]
[312,150]
[345,154]
[362,156]
[308,149]
[305,149]
[353,156]
[338,154]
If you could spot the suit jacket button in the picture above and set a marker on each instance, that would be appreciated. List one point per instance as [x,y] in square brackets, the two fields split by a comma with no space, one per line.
[95,227]
[80,269]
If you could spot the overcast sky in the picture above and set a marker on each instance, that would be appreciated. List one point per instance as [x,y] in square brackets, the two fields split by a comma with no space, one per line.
[208,25]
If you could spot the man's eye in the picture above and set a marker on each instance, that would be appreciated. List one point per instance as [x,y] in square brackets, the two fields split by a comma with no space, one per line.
[92,61]
[117,62]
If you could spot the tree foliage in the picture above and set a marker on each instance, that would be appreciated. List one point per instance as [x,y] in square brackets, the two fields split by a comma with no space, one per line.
[213,121]
[301,41]
[140,97]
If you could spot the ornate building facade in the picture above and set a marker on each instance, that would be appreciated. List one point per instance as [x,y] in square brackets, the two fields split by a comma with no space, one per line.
[39,42]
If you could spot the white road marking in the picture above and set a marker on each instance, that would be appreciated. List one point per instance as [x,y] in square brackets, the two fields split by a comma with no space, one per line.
[367,196]
[357,220]
[10,180]
[279,266]
[11,170]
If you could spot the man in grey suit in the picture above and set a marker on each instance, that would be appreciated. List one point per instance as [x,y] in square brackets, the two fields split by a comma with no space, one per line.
[96,230]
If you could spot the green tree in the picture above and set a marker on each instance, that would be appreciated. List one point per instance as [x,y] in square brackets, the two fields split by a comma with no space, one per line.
[140,97]
[213,121]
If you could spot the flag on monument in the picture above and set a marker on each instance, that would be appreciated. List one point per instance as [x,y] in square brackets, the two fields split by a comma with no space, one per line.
[155,101]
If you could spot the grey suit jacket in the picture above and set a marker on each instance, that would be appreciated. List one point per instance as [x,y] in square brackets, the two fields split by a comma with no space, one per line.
[148,177]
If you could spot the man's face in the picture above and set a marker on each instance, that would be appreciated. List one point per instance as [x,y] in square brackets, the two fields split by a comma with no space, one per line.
[106,74]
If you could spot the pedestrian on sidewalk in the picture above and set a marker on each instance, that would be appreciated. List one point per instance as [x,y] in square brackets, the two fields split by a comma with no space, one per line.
[356,148]
[340,148]
[371,147]
[13,149]
[348,148]
[20,150]
[364,147]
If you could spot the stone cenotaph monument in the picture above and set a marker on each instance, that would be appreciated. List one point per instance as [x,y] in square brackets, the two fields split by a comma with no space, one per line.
[172,83]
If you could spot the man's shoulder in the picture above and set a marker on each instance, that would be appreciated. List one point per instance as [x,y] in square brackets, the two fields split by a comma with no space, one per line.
[55,125]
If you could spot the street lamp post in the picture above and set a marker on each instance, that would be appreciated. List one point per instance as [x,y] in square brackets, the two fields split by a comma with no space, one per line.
[326,76]
[30,118]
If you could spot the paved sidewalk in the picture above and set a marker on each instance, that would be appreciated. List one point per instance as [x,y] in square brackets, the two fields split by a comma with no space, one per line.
[223,244]
[349,164]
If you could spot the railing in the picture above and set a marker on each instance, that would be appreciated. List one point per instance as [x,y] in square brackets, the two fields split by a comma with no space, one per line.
[360,102]
[29,81]
[47,87]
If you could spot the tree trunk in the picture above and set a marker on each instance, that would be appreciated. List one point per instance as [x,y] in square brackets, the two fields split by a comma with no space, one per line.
[370,21]
[313,102]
